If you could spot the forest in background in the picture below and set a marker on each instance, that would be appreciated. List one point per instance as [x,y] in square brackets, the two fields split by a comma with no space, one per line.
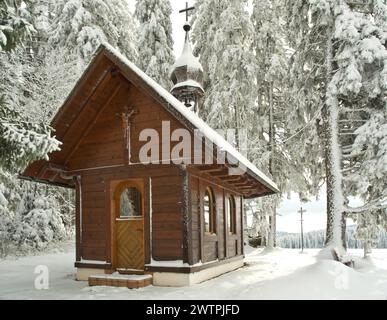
[316,239]
[306,79]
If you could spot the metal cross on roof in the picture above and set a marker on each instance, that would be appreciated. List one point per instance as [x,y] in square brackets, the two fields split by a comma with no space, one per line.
[187,10]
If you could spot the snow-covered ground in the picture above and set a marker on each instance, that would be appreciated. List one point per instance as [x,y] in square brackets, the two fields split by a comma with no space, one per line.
[279,274]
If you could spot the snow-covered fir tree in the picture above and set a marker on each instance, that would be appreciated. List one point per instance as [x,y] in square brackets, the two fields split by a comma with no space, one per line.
[357,84]
[277,148]
[21,140]
[348,60]
[155,44]
[228,61]
[33,216]
[267,112]
[51,71]
[363,115]
[80,26]
[205,21]
[33,87]
[15,23]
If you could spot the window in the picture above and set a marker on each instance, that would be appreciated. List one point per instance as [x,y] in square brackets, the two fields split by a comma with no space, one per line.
[231,214]
[130,203]
[209,212]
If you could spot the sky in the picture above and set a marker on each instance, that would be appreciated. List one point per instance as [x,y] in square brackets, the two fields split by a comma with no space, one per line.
[288,219]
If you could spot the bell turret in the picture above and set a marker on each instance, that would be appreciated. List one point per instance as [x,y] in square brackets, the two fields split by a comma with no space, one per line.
[187,74]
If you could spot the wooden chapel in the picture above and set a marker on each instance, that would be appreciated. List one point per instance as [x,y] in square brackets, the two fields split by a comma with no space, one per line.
[181,223]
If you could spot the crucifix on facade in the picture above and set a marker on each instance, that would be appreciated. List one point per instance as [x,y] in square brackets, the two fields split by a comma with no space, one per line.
[127,117]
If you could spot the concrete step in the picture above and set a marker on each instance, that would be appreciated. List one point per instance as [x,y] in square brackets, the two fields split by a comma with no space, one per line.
[131,271]
[120,280]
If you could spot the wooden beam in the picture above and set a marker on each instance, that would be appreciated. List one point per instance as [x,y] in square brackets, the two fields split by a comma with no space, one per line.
[42,172]
[222,177]
[242,181]
[247,184]
[47,182]
[247,188]
[210,168]
[247,181]
[230,179]
[56,167]
[222,173]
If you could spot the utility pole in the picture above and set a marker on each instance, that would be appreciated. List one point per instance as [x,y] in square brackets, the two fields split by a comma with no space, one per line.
[302,211]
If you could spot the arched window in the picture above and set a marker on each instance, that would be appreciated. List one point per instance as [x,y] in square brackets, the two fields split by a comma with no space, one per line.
[209,211]
[231,214]
[130,203]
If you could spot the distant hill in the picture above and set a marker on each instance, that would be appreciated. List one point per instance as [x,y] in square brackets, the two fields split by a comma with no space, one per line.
[316,239]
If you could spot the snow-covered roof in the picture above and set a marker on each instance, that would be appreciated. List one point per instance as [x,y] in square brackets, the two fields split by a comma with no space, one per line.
[194,119]
[188,59]
[188,83]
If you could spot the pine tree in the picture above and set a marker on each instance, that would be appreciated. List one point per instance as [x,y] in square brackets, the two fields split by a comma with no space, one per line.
[206,22]
[15,23]
[33,86]
[81,26]
[21,140]
[276,120]
[228,61]
[361,61]
[364,115]
[155,40]
[345,63]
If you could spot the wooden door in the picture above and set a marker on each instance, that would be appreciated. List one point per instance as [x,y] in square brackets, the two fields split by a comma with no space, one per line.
[129,226]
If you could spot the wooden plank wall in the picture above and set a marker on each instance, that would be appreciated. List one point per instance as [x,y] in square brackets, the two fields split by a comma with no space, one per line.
[100,158]
[205,247]
[97,222]
[93,219]
[195,219]
[167,223]
[103,145]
